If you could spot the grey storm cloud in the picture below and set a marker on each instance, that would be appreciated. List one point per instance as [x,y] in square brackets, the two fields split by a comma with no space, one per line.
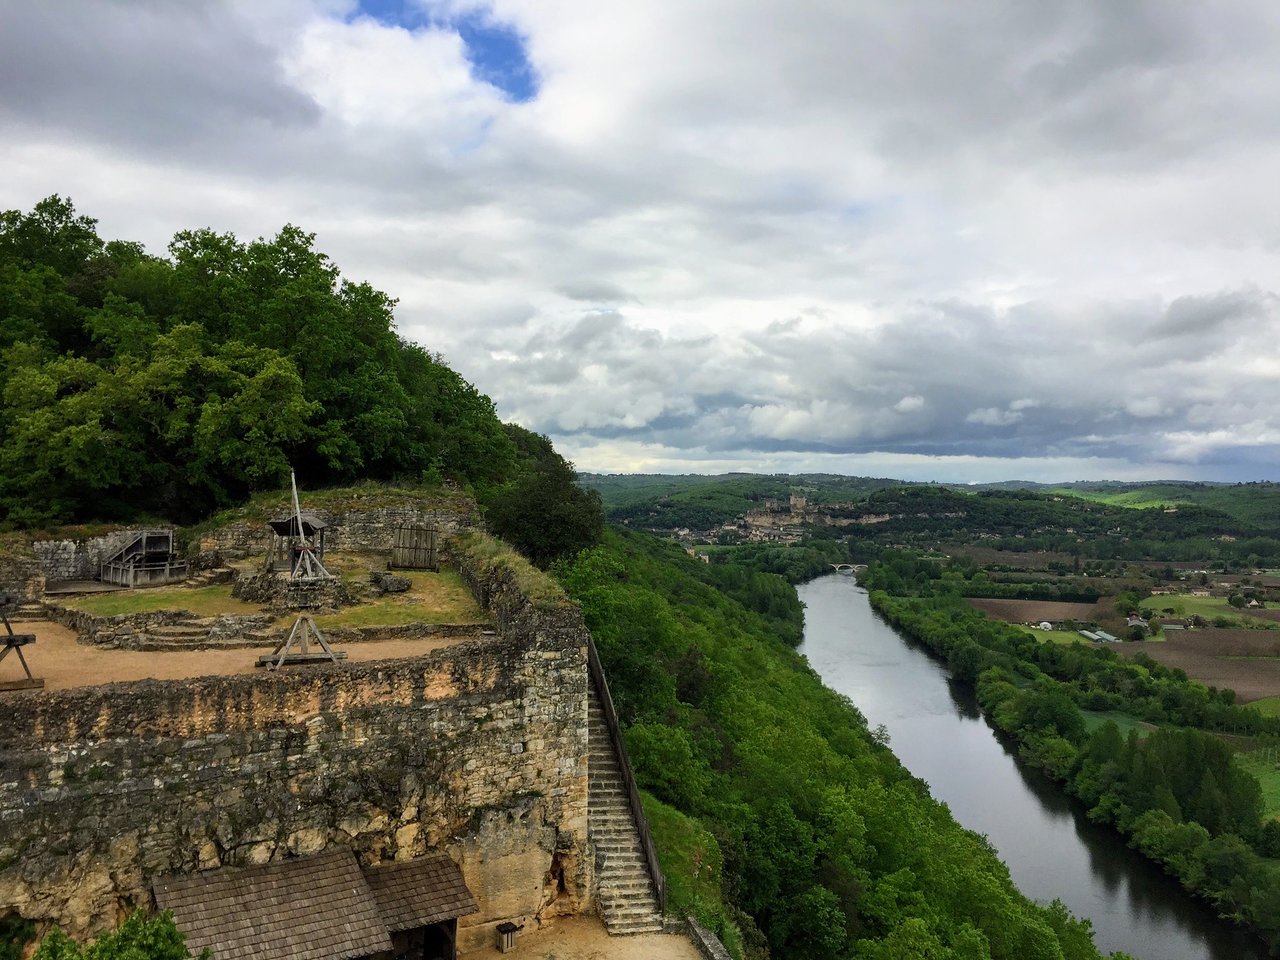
[141,73]
[984,239]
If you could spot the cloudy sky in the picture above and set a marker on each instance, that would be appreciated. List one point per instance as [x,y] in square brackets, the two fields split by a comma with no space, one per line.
[930,240]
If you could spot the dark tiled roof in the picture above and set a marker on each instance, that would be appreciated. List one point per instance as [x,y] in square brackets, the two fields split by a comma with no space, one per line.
[288,526]
[416,893]
[311,909]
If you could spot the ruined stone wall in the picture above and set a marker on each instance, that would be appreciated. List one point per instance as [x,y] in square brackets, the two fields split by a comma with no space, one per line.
[356,527]
[479,748]
[21,575]
[79,559]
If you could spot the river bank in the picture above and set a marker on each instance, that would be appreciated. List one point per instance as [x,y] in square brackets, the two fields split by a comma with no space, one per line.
[1052,850]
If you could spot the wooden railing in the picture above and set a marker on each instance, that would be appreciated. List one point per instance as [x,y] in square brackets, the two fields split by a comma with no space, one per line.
[141,574]
[596,669]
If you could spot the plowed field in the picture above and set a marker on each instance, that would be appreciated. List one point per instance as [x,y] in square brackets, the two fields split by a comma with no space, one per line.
[1033,611]
[1246,661]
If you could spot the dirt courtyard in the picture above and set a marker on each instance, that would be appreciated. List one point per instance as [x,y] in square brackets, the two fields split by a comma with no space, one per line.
[584,938]
[1246,661]
[63,663]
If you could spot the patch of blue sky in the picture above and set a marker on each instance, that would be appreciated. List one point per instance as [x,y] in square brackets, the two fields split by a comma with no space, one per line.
[392,13]
[497,56]
[495,50]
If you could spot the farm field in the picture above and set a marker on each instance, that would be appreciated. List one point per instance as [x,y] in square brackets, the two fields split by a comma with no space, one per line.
[1014,559]
[1185,605]
[1246,661]
[1033,611]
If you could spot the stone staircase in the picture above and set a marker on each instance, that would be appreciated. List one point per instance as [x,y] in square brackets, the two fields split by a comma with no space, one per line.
[624,889]
[29,611]
[212,577]
[207,633]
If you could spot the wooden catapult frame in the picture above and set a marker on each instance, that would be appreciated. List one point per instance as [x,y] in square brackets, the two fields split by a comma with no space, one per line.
[15,642]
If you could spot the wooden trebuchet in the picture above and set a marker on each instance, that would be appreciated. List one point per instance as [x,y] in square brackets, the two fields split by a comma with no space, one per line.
[303,629]
[15,642]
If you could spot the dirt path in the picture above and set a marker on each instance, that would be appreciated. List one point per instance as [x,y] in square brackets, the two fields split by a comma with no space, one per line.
[584,938]
[64,663]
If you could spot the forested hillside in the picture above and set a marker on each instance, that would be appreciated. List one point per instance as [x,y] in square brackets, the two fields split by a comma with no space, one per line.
[774,807]
[137,385]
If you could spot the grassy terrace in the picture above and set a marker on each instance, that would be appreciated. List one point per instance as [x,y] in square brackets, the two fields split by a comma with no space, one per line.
[202,601]
[432,598]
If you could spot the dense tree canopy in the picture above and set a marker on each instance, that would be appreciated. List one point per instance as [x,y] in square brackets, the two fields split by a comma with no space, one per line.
[829,847]
[135,384]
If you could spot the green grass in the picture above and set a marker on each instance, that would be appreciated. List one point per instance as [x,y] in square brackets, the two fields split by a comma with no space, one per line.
[1094,719]
[491,555]
[692,864]
[1185,605]
[203,601]
[433,598]
[1268,775]
[1267,706]
[1064,637]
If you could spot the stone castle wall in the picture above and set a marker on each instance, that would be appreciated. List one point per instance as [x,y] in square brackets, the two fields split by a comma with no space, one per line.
[478,748]
[79,559]
[361,528]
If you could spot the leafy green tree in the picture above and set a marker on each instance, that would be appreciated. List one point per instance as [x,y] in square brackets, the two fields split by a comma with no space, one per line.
[543,512]
[138,938]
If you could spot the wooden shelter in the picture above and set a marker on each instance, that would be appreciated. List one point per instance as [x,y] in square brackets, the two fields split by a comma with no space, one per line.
[291,538]
[322,907]
[299,542]
[149,559]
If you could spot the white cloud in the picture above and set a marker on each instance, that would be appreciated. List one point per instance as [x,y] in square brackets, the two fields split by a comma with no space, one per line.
[876,236]
[993,417]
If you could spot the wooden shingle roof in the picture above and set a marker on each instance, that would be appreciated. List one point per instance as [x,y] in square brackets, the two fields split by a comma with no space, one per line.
[316,908]
[419,892]
[288,526]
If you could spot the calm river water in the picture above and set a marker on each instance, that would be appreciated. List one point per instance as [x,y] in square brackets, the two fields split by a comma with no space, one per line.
[1051,848]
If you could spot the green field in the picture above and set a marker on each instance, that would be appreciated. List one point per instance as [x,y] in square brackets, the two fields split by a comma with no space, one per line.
[1185,605]
[1268,706]
[1268,774]
[1064,637]
[433,598]
[1093,719]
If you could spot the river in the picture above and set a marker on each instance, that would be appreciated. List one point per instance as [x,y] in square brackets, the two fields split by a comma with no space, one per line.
[1051,848]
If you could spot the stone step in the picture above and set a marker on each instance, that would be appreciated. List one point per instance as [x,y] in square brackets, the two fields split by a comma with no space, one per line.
[623,923]
[181,629]
[617,848]
[627,887]
[616,842]
[27,613]
[619,866]
[630,909]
